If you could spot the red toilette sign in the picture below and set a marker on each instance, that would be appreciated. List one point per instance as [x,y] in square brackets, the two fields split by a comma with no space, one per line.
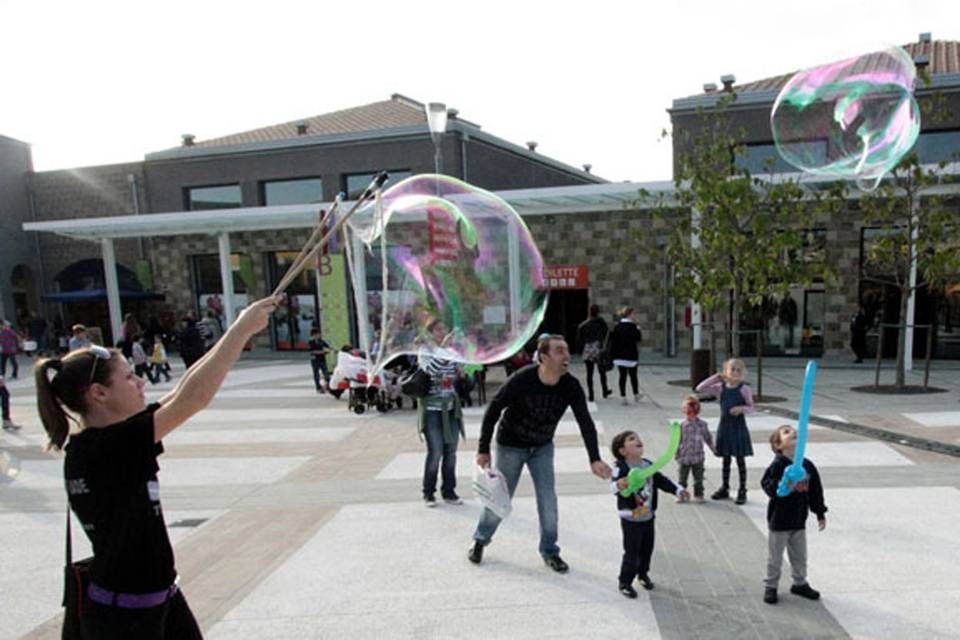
[566,276]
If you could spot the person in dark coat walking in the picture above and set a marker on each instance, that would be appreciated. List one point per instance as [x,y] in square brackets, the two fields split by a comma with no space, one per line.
[189,341]
[592,334]
[624,350]
[858,333]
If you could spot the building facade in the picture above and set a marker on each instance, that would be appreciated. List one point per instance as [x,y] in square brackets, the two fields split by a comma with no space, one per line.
[305,162]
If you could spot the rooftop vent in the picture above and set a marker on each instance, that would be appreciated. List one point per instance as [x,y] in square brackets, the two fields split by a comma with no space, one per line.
[301,128]
[925,37]
[709,87]
[452,113]
[532,145]
[587,167]
[728,81]
[187,139]
[922,61]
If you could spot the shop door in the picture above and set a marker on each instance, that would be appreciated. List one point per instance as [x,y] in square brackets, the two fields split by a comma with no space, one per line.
[566,309]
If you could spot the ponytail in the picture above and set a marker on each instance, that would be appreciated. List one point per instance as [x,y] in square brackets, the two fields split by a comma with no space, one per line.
[52,415]
[62,384]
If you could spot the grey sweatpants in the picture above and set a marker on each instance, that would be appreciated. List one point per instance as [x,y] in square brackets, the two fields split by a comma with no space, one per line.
[796,544]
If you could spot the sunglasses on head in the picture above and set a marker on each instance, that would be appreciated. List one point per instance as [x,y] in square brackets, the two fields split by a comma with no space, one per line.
[99,353]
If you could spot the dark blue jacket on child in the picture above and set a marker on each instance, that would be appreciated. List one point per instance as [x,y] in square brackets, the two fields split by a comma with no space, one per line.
[640,505]
[789,513]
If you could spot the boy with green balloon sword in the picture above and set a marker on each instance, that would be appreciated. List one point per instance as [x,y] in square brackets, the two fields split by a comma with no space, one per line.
[636,481]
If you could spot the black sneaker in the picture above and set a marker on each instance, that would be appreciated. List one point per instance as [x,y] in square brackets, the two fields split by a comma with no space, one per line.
[429,501]
[607,393]
[646,582]
[627,591]
[453,499]
[557,564]
[475,554]
[721,494]
[770,595]
[741,496]
[805,591]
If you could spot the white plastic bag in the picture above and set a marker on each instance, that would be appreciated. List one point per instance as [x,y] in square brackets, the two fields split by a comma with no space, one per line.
[491,490]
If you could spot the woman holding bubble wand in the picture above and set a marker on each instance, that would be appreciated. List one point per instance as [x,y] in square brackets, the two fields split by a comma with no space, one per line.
[110,471]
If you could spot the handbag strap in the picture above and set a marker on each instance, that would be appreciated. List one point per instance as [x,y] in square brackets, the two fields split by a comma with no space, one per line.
[69,550]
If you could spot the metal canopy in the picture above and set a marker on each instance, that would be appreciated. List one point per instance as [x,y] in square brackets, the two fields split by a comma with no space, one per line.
[568,200]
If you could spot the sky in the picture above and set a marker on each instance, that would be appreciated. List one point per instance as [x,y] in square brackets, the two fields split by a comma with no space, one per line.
[99,82]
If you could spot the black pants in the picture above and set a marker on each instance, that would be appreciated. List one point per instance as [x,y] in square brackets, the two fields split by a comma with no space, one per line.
[145,371]
[637,549]
[603,378]
[5,402]
[161,369]
[318,365]
[859,344]
[189,358]
[12,359]
[172,620]
[741,471]
[632,372]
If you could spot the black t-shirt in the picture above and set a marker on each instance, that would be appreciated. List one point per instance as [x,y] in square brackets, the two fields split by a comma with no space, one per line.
[531,411]
[111,480]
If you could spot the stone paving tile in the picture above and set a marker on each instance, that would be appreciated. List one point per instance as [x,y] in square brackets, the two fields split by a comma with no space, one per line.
[708,564]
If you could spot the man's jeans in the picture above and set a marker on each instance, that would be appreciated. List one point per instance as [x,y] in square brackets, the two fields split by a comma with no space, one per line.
[437,449]
[539,461]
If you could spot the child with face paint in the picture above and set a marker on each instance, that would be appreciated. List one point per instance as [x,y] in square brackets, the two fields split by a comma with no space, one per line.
[694,433]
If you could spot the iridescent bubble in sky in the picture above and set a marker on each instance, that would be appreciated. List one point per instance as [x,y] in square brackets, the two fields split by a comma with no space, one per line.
[852,119]
[447,268]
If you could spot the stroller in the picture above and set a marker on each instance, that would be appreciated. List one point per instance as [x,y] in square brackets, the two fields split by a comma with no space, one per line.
[390,394]
[350,375]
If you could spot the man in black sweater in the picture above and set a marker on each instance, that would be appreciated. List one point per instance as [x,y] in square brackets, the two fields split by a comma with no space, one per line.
[528,408]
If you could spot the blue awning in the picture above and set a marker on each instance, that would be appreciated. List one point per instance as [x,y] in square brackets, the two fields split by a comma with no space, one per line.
[91,295]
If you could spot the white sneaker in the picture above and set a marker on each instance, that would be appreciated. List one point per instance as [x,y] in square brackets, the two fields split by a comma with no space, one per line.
[8,424]
[636,398]
[624,401]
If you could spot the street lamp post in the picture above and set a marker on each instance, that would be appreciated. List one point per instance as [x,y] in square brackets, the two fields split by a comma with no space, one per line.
[437,122]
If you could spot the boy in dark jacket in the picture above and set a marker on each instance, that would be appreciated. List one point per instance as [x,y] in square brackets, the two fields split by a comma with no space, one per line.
[637,510]
[787,516]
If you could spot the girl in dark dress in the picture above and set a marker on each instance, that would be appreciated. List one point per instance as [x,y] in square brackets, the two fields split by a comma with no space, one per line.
[733,437]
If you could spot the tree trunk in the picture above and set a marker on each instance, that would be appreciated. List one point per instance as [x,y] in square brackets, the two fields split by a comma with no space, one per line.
[735,324]
[713,345]
[902,338]
[760,363]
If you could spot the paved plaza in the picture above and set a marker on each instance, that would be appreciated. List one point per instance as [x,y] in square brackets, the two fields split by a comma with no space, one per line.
[294,518]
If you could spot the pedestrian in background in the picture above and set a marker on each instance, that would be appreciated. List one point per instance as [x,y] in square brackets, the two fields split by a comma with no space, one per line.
[592,334]
[624,349]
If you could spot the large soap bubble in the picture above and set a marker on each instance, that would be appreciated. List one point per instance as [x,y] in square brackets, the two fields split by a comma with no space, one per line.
[446,268]
[851,119]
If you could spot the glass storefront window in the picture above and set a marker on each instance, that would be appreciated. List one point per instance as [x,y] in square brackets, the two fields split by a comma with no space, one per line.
[300,191]
[205,198]
[209,287]
[355,183]
[757,158]
[934,146]
[293,320]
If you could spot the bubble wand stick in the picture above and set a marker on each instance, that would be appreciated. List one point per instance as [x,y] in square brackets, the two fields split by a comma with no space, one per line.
[795,473]
[296,265]
[367,194]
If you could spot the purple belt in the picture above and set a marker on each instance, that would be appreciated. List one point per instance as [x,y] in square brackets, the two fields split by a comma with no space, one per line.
[130,600]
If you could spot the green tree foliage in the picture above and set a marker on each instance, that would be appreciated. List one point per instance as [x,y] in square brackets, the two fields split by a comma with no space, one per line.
[751,228]
[920,224]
